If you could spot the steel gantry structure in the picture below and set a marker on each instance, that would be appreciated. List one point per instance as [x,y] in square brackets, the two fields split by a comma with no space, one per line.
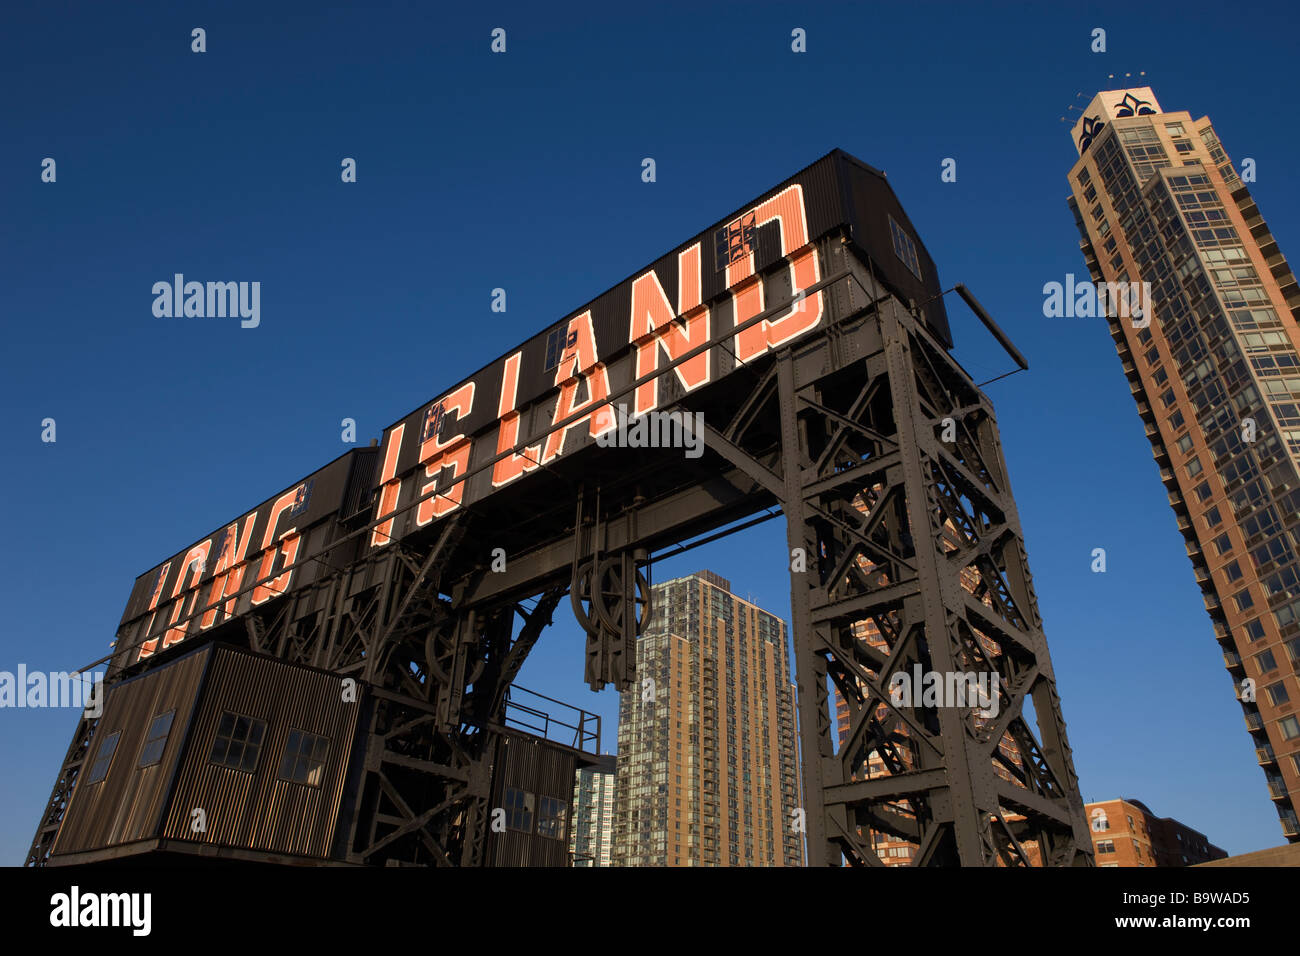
[418,572]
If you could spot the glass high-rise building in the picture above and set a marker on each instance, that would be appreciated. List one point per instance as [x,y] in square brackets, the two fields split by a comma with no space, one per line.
[707,749]
[1214,365]
[591,834]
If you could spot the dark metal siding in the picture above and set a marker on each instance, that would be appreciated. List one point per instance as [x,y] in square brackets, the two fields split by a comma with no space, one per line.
[870,201]
[127,805]
[365,462]
[258,810]
[543,769]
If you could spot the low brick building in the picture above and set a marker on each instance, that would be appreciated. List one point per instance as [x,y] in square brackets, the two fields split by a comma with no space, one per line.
[1127,833]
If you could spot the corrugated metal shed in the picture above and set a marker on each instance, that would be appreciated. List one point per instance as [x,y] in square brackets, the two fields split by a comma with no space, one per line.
[535,769]
[127,804]
[255,761]
[260,810]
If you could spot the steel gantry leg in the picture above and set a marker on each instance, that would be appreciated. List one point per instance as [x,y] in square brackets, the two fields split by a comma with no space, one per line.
[898,506]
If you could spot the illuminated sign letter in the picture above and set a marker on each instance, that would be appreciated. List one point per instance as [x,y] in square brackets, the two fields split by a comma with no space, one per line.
[513,465]
[288,548]
[229,572]
[653,328]
[787,210]
[436,455]
[578,366]
[148,647]
[195,563]
[390,487]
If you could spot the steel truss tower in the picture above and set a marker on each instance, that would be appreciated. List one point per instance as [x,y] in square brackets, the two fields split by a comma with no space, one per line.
[894,514]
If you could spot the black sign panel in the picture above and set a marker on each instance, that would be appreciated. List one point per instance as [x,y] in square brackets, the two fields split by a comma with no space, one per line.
[751,279]
[264,547]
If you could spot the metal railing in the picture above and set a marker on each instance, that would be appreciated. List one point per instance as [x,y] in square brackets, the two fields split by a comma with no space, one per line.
[523,711]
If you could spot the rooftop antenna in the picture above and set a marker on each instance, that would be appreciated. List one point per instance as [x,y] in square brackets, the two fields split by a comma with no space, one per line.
[1072,106]
[1123,80]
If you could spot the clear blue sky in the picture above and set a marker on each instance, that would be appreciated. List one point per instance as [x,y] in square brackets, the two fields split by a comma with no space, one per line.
[522,171]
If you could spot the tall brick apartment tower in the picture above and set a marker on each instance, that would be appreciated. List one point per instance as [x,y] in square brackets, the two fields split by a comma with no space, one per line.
[707,761]
[1216,377]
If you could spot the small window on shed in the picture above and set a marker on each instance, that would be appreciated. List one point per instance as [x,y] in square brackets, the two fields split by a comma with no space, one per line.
[238,742]
[304,758]
[519,809]
[904,248]
[557,343]
[99,769]
[156,740]
[550,818]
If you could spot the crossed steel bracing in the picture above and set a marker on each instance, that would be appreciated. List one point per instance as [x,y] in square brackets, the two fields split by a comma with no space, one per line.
[896,489]
[57,805]
[905,549]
